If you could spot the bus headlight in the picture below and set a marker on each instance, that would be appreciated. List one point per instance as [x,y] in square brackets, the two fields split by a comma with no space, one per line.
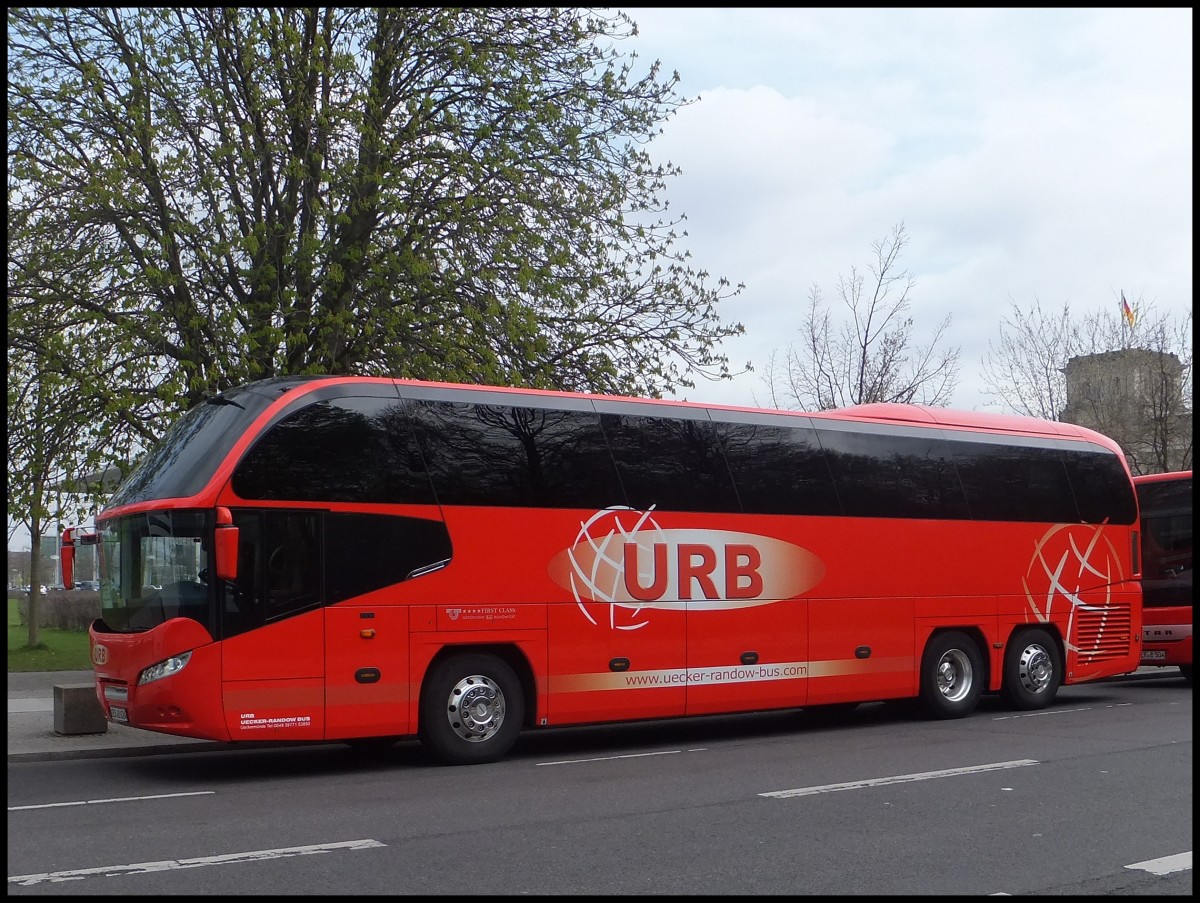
[165,668]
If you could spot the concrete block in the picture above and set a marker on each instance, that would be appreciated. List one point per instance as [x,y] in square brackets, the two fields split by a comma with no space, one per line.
[77,710]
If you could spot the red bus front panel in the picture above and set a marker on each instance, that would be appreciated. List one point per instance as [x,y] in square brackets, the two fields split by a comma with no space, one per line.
[182,703]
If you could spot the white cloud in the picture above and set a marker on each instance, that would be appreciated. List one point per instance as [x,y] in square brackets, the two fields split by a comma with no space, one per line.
[1031,154]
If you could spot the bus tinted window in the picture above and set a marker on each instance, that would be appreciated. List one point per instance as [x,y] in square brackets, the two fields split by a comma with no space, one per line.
[1009,482]
[1166,523]
[1167,495]
[510,456]
[778,469]
[279,568]
[365,552]
[343,450]
[189,454]
[879,473]
[1101,485]
[672,464]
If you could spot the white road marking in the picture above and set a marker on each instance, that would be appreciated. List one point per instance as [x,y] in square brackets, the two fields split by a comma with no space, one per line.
[115,799]
[1165,865]
[1042,714]
[141,868]
[668,752]
[899,779]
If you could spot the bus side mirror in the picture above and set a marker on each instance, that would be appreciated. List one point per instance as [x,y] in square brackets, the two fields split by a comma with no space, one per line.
[66,554]
[226,546]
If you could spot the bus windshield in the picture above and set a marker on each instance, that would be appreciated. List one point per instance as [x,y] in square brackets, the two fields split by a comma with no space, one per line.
[154,567]
[184,461]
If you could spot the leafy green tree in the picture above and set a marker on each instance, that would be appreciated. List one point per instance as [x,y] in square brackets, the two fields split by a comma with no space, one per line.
[208,196]
[41,441]
[867,354]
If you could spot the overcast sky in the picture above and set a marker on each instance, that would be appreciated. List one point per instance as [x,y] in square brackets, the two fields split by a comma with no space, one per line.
[1031,154]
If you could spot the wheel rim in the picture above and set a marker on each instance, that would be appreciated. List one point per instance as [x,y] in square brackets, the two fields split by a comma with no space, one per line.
[1036,668]
[954,675]
[475,708]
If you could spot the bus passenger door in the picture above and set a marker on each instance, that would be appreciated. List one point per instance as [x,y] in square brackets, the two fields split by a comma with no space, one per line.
[367,685]
[273,629]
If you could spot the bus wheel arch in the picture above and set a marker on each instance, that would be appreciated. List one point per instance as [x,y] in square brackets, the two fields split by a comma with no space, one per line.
[1033,668]
[473,703]
[953,673]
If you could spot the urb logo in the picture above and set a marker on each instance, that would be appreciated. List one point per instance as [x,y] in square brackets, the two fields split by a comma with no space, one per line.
[623,560]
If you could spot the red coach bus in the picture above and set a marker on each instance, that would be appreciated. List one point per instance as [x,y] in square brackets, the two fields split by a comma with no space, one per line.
[363,559]
[1165,501]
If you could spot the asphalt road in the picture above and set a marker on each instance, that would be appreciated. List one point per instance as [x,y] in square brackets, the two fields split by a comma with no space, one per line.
[1092,796]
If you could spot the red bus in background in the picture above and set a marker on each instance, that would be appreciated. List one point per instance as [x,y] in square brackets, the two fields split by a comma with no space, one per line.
[362,559]
[1165,501]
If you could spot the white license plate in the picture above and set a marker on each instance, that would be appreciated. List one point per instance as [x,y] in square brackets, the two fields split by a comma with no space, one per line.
[118,714]
[1154,655]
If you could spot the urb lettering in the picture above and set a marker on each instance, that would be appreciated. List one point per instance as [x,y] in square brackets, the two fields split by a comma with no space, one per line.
[695,566]
[626,559]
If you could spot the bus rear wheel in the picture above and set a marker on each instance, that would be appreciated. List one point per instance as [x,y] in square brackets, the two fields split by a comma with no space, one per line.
[951,675]
[472,709]
[1033,670]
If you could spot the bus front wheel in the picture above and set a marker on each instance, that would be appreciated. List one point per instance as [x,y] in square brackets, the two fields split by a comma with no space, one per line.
[951,675]
[472,708]
[1032,670]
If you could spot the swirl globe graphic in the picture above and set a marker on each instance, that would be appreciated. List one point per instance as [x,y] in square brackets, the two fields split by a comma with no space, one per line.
[1074,565]
[597,567]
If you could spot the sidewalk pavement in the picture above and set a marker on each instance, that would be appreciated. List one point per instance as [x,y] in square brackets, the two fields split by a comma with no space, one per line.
[31,735]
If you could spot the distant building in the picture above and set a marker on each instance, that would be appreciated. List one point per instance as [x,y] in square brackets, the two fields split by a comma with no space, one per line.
[1135,396]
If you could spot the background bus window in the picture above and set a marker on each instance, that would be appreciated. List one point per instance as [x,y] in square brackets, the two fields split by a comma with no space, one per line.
[1167,559]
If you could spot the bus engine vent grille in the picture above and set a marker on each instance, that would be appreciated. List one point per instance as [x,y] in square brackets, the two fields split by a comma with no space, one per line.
[1103,633]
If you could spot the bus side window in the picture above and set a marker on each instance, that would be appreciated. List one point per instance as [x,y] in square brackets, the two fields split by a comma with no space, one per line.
[242,610]
[292,568]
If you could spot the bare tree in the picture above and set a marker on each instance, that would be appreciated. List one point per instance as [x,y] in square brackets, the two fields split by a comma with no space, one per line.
[868,356]
[1023,368]
[1128,379]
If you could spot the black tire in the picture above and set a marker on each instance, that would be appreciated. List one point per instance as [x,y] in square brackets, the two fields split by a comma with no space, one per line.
[1033,670]
[472,709]
[1185,672]
[952,676]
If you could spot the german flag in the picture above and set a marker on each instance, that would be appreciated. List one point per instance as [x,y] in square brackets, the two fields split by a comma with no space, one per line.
[1126,309]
